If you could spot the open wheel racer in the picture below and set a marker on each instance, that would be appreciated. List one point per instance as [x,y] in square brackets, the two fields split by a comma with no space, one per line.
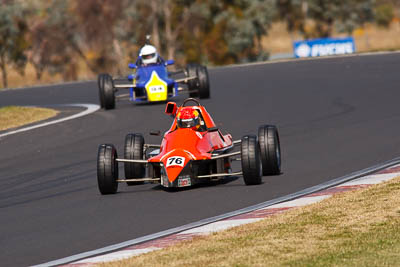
[192,150]
[151,81]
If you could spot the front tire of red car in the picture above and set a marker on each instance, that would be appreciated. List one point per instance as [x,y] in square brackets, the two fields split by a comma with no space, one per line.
[107,169]
[251,160]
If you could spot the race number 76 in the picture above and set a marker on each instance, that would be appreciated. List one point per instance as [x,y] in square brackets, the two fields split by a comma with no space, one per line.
[175,161]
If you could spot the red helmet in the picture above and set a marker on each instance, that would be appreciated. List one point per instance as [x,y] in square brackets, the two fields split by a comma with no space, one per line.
[188,118]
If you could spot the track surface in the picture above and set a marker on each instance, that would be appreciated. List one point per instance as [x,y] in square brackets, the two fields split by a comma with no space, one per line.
[335,116]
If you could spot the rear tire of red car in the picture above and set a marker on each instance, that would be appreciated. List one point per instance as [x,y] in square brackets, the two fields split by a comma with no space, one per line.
[204,83]
[133,149]
[106,91]
[107,169]
[251,160]
[270,149]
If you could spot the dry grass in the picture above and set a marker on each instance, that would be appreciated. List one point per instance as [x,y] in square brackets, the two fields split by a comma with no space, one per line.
[12,116]
[16,80]
[359,228]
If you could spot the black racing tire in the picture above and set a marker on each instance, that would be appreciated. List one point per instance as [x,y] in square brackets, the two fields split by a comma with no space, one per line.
[193,85]
[107,169]
[133,149]
[270,149]
[100,82]
[251,160]
[106,91]
[204,82]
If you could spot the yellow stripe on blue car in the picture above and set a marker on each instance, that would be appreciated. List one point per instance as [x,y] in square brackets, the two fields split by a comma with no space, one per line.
[156,88]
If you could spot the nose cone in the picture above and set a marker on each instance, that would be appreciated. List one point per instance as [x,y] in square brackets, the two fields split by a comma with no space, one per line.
[175,162]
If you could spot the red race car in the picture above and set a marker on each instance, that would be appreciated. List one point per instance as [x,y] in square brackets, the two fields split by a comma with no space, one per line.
[192,150]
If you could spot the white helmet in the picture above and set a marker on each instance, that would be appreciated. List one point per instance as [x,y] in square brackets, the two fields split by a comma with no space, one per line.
[149,54]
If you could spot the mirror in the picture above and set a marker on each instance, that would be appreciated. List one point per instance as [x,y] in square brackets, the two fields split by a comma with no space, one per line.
[132,65]
[171,108]
[170,62]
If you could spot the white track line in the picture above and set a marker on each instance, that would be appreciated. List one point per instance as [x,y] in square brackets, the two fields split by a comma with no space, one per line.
[90,108]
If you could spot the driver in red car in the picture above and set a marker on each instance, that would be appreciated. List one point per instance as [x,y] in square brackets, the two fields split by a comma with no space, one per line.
[190,118]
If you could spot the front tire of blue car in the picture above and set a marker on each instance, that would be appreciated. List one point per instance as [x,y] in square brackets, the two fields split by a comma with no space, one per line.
[106,91]
[100,82]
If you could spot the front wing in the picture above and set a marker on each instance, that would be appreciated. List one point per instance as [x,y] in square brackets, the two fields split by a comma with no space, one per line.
[194,172]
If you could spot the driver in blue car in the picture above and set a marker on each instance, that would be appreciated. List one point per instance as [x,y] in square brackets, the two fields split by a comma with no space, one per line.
[149,55]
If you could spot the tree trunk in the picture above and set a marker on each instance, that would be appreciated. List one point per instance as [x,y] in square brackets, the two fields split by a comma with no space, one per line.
[171,35]
[118,51]
[168,29]
[3,71]
[155,31]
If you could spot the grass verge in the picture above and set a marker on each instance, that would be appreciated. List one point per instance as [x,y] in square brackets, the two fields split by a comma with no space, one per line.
[13,116]
[359,228]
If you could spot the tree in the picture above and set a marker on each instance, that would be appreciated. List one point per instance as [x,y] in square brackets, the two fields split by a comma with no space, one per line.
[13,43]
[95,24]
[237,28]
[384,14]
[345,15]
[293,12]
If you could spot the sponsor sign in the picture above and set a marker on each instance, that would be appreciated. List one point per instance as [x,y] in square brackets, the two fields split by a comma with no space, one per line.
[324,47]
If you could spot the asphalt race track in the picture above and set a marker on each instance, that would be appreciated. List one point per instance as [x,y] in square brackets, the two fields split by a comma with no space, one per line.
[335,116]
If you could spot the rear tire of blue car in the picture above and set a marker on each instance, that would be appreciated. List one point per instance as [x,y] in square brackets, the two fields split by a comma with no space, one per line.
[251,160]
[107,169]
[106,91]
[204,83]
[193,84]
[134,144]
[270,149]
[199,87]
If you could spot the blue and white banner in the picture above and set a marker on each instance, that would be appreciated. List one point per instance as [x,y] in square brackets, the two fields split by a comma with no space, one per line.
[324,47]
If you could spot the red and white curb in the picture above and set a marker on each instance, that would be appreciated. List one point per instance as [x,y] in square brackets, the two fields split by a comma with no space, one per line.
[250,217]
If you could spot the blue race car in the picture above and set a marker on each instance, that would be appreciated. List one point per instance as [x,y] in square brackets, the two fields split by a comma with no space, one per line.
[152,82]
